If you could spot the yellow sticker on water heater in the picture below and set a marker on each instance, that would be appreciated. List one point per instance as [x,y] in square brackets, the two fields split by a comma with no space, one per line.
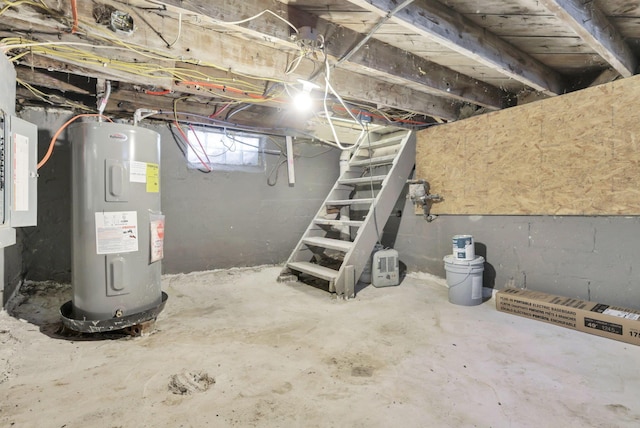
[153,178]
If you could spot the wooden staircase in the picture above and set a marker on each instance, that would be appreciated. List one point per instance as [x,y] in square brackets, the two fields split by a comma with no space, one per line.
[338,243]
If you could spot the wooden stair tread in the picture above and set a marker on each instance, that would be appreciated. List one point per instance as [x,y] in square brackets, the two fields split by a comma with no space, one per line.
[314,270]
[333,244]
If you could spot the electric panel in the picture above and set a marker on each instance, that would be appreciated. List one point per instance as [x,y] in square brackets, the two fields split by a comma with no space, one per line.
[2,168]
[20,171]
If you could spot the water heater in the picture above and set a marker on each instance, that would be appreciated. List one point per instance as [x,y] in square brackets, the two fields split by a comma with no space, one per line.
[117,226]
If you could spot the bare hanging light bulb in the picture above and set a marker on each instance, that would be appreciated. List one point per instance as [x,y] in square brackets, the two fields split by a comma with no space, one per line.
[302,101]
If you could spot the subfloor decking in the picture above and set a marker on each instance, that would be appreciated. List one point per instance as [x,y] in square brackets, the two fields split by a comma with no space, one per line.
[236,348]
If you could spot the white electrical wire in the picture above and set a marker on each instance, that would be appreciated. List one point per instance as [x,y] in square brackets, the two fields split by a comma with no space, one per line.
[179,31]
[6,48]
[328,87]
[257,16]
[102,104]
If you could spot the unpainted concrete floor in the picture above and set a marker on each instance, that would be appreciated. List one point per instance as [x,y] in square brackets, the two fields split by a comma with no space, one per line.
[234,348]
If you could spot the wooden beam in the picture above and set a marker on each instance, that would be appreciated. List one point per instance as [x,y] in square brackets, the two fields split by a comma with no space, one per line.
[379,58]
[199,45]
[591,24]
[63,82]
[458,33]
[256,116]
[609,75]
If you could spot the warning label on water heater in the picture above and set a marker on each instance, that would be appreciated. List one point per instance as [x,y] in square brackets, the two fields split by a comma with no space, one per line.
[116,232]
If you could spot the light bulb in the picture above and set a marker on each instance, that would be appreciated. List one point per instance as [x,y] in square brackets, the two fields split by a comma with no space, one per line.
[302,101]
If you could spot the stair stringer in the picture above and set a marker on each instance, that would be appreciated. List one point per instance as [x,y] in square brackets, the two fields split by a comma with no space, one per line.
[366,237]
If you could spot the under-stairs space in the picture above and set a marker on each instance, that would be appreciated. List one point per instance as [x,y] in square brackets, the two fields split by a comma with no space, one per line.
[338,243]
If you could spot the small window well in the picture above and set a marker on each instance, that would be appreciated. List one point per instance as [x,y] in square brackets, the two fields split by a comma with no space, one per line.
[222,150]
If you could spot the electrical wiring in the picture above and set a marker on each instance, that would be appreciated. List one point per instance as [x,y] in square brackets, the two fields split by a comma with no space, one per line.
[256,97]
[164,92]
[74,13]
[182,140]
[275,143]
[282,159]
[184,135]
[10,4]
[236,111]
[248,92]
[251,18]
[52,144]
[326,110]
[200,144]
[383,116]
[179,32]
[182,143]
[108,37]
[237,89]
[306,49]
[36,92]
[48,98]
[70,51]
[186,139]
[219,112]
[84,56]
[293,65]
[179,143]
[275,170]
[257,16]
[335,93]
[222,123]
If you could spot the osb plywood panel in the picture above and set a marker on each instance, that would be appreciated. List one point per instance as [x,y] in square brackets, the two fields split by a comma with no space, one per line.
[576,154]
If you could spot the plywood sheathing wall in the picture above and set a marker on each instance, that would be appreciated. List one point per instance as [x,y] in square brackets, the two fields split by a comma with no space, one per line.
[576,154]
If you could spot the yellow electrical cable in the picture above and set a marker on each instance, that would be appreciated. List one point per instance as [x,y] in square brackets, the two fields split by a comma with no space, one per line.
[10,4]
[47,97]
[70,51]
[148,70]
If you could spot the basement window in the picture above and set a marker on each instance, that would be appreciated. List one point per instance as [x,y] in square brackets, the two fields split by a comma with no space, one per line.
[224,150]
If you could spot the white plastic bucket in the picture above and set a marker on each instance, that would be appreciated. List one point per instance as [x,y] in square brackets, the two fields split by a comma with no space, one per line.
[463,247]
[464,278]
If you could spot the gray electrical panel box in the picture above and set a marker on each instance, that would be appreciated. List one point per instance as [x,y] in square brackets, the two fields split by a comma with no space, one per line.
[21,177]
[18,176]
[18,167]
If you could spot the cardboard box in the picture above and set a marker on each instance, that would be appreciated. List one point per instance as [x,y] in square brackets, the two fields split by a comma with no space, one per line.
[596,318]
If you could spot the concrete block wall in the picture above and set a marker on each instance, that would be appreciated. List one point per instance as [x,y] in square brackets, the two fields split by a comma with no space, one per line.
[591,258]
[226,219]
[229,219]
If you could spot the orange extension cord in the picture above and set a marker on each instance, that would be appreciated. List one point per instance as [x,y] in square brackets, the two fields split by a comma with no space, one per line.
[59,131]
[74,12]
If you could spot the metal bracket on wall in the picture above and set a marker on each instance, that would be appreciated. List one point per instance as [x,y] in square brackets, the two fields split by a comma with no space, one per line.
[420,196]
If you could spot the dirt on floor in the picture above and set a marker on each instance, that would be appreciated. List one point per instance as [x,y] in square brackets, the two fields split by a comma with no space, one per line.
[234,348]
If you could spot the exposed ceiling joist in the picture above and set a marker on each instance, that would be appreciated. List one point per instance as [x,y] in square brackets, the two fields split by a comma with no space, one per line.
[439,59]
[377,57]
[590,23]
[445,26]
[226,52]
[609,75]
